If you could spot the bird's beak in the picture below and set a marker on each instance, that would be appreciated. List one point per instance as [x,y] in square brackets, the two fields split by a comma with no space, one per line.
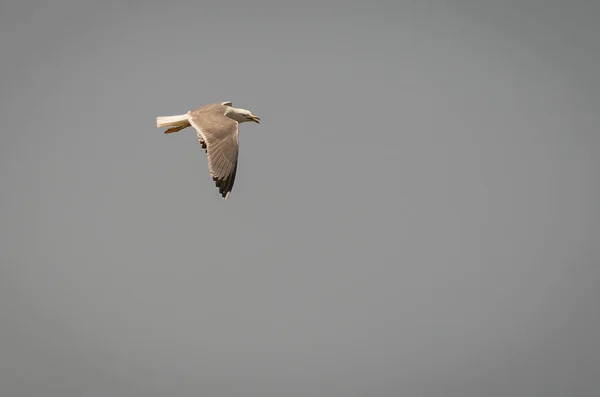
[256,119]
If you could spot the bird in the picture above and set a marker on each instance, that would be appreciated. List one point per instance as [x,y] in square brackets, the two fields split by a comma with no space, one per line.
[216,126]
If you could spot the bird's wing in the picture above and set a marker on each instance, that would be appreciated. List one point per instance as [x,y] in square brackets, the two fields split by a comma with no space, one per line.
[218,135]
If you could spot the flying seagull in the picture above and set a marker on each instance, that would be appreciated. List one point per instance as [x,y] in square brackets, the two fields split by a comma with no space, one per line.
[216,126]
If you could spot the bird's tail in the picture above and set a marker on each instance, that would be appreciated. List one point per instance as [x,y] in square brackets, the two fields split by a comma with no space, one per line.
[177,123]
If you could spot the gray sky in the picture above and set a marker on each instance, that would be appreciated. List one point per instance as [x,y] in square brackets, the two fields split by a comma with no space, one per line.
[417,214]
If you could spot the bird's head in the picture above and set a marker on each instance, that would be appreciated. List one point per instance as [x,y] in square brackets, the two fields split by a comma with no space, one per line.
[241,115]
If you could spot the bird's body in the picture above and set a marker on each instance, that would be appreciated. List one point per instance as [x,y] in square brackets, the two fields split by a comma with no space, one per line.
[216,126]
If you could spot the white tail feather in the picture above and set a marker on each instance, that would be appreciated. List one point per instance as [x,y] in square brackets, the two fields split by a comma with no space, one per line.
[171,121]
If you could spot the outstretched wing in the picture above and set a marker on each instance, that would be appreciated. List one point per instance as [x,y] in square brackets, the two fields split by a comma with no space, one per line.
[218,135]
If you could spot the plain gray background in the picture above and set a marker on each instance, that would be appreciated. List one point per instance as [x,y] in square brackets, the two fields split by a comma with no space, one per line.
[417,214]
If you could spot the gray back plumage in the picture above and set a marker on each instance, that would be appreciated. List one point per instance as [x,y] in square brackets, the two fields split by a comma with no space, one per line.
[218,135]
